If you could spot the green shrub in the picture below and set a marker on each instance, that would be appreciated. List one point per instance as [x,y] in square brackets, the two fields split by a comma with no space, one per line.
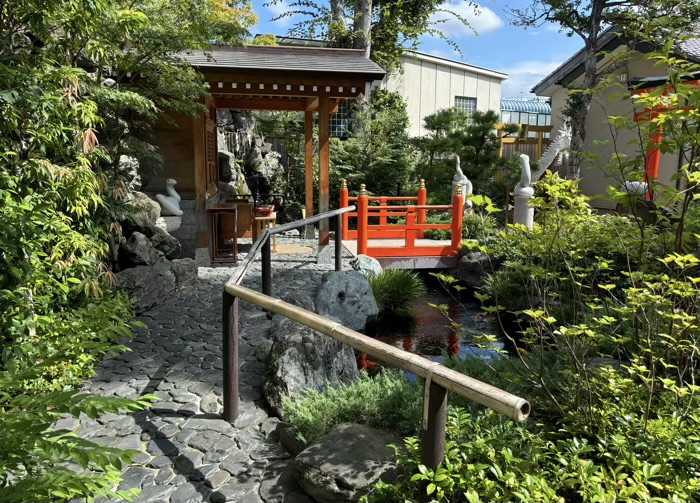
[479,226]
[388,399]
[394,289]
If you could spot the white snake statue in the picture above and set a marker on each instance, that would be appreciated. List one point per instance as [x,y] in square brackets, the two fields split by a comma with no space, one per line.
[559,145]
[170,204]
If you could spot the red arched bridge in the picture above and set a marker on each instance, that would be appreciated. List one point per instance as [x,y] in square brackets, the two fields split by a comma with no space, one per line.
[394,233]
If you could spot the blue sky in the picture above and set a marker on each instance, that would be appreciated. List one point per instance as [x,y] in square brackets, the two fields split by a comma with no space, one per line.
[525,55]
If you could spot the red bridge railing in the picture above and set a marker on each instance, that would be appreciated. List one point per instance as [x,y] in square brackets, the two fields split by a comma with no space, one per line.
[408,223]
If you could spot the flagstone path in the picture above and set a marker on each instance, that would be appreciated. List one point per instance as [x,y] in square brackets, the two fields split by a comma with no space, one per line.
[190,454]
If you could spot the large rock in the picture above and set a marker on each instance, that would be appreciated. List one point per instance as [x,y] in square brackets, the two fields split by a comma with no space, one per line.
[137,250]
[166,243]
[366,265]
[302,359]
[227,165]
[344,465]
[475,266]
[147,285]
[347,296]
[143,212]
[185,271]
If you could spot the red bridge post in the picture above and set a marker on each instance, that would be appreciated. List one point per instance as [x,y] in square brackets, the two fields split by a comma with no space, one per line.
[362,204]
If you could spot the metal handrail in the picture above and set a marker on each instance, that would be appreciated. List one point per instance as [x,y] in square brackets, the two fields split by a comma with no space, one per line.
[439,379]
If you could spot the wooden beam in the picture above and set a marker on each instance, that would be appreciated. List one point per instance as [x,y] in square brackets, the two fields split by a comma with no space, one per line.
[317,80]
[261,104]
[324,161]
[200,181]
[335,104]
[311,104]
[309,162]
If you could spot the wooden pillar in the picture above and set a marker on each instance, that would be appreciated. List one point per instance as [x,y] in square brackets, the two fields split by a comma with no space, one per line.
[324,162]
[200,181]
[309,162]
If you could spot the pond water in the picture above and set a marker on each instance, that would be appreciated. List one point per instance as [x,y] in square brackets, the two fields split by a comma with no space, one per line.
[429,332]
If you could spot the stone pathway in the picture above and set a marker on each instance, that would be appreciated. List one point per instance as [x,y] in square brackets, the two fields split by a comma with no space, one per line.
[190,454]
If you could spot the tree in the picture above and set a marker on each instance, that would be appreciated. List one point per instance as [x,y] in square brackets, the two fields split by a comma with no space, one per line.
[377,151]
[473,139]
[383,28]
[589,20]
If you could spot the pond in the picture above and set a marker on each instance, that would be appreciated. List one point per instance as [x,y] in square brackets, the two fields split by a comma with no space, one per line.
[429,332]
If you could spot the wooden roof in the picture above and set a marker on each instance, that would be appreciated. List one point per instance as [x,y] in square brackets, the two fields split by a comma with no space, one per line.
[287,61]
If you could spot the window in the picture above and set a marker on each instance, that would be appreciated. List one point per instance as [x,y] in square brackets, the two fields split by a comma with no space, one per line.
[466,105]
[340,121]
[505,117]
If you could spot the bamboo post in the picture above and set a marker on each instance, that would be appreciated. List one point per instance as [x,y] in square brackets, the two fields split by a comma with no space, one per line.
[422,201]
[266,258]
[433,438]
[344,204]
[411,228]
[362,204]
[457,215]
[229,327]
[339,231]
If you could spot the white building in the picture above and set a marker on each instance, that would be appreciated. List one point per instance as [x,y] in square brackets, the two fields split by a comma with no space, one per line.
[429,83]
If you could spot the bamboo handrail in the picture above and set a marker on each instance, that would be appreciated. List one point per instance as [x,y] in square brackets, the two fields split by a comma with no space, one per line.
[494,398]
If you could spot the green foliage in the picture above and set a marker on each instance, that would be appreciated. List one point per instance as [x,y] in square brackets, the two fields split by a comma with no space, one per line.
[396,26]
[387,399]
[606,312]
[474,139]
[395,289]
[81,84]
[376,152]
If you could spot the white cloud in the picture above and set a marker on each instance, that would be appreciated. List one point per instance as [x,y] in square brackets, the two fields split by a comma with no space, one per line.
[524,75]
[481,19]
[278,8]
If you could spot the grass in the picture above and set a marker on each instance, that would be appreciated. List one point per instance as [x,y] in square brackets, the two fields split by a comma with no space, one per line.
[394,289]
[388,399]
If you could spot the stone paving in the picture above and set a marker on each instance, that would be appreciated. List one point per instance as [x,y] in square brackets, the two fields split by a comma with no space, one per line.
[189,454]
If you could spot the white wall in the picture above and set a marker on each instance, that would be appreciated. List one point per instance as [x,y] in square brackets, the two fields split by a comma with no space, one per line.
[429,86]
[603,141]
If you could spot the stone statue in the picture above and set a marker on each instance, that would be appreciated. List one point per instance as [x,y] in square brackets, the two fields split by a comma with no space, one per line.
[461,179]
[170,204]
[524,213]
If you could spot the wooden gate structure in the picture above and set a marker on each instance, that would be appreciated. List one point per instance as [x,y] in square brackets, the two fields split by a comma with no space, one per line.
[300,79]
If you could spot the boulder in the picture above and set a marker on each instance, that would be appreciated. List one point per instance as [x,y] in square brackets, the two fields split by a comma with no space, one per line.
[143,212]
[347,296]
[185,271]
[475,266]
[345,464]
[147,285]
[166,243]
[227,165]
[302,359]
[367,266]
[137,250]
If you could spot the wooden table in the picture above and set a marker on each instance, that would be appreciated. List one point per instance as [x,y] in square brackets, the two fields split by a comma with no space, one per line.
[266,222]
[221,252]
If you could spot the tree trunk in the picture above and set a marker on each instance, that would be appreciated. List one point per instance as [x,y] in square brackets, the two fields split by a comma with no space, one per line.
[583,102]
[362,26]
[338,14]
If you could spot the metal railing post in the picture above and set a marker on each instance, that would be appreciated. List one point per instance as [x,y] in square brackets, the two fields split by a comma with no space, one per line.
[344,204]
[229,326]
[433,439]
[339,229]
[266,259]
